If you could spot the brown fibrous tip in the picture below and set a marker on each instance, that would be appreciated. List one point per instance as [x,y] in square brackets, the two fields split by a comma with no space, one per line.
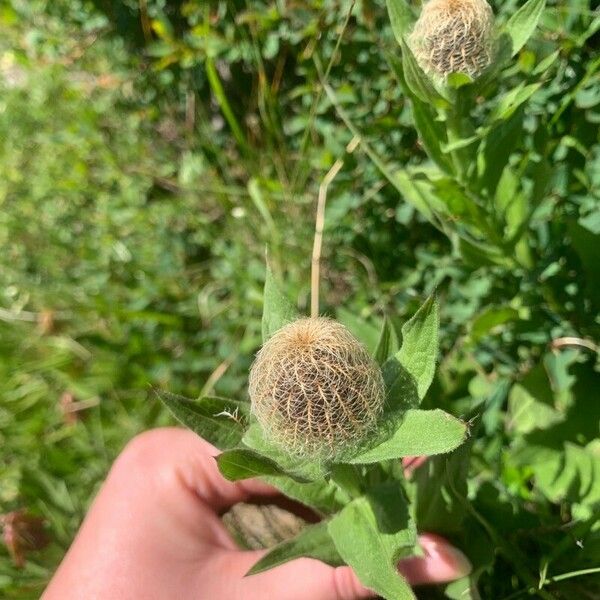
[315,390]
[454,36]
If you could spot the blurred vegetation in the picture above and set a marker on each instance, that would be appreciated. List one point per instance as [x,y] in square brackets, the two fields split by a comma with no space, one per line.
[150,150]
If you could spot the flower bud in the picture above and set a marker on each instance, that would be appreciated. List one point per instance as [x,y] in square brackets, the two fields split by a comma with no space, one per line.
[315,390]
[454,36]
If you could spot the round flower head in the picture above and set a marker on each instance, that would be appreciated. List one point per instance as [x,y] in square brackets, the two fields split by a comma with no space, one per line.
[315,390]
[454,36]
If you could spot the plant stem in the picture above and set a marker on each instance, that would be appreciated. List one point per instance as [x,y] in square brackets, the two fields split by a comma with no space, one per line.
[319,226]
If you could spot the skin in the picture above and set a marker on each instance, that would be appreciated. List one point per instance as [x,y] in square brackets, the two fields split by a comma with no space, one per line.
[154,532]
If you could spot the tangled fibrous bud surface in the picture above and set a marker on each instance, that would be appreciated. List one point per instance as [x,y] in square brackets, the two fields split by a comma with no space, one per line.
[454,36]
[315,390]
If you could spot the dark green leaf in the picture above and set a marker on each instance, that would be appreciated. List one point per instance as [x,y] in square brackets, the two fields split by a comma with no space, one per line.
[441,489]
[490,319]
[497,146]
[387,343]
[277,309]
[372,533]
[219,421]
[313,541]
[241,463]
[400,386]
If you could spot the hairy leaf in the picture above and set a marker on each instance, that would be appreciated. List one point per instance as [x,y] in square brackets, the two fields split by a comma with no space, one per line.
[418,353]
[387,343]
[277,309]
[219,421]
[241,463]
[372,533]
[419,433]
[314,541]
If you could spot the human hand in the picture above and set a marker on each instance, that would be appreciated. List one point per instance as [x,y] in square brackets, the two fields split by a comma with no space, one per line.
[154,532]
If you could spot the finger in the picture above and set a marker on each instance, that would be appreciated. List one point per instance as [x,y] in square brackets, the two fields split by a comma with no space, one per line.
[300,578]
[173,455]
[410,463]
[441,562]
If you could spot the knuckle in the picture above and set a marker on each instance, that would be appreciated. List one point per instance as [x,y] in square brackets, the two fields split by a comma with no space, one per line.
[144,450]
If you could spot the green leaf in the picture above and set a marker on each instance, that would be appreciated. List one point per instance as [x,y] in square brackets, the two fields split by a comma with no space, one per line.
[387,343]
[528,412]
[490,320]
[417,81]
[219,421]
[362,330]
[431,131]
[546,63]
[324,497]
[497,146]
[277,309]
[418,433]
[400,386]
[313,541]
[418,353]
[300,469]
[433,134]
[509,102]
[371,534]
[241,463]
[401,18]
[522,24]
[440,491]
[419,193]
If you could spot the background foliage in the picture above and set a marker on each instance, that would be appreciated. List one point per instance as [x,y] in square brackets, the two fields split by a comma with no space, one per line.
[148,152]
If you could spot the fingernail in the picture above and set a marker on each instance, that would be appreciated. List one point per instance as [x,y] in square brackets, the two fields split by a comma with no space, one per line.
[462,564]
[435,546]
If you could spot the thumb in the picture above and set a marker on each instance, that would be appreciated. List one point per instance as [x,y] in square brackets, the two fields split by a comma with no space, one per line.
[300,578]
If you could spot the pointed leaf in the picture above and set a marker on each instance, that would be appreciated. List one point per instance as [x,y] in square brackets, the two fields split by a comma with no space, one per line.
[431,131]
[522,24]
[419,433]
[372,533]
[387,343]
[324,497]
[301,469]
[241,463]
[418,353]
[441,489]
[277,309]
[313,541]
[417,81]
[498,144]
[510,102]
[362,330]
[400,386]
[219,421]
[401,16]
